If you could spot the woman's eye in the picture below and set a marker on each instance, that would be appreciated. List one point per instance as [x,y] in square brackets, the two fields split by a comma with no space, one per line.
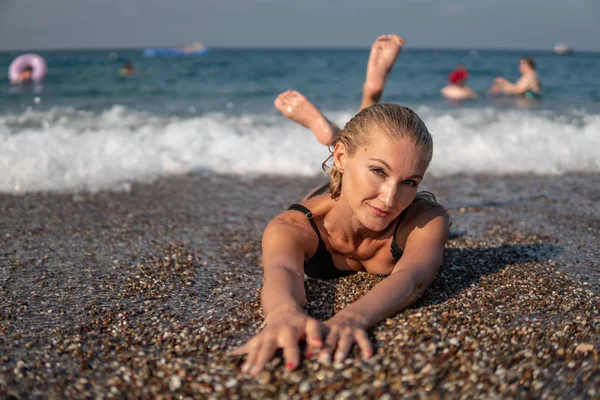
[410,182]
[377,171]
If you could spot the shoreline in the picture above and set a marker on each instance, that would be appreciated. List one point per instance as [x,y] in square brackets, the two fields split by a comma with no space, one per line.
[143,293]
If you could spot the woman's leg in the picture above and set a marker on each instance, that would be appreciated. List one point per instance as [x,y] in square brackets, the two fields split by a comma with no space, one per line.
[296,107]
[384,52]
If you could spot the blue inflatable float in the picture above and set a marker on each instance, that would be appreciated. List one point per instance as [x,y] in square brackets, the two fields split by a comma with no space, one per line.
[196,49]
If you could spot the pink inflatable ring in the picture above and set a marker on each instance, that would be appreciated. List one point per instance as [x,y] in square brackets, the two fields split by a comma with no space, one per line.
[37,64]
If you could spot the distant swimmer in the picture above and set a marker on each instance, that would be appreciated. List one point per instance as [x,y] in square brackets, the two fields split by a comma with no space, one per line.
[458,88]
[25,76]
[528,84]
[27,68]
[127,69]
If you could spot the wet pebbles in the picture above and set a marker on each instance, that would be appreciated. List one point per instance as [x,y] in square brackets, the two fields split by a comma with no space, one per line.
[142,295]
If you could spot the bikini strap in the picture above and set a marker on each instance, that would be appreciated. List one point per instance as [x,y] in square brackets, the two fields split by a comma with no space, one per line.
[309,216]
[395,247]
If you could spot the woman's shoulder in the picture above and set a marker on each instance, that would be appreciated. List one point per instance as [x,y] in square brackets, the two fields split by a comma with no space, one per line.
[295,227]
[300,214]
[319,205]
[422,210]
[426,221]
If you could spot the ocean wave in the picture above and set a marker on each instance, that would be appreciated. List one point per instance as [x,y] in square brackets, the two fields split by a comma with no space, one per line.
[64,149]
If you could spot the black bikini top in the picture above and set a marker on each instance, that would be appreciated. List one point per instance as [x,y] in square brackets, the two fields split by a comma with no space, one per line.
[320,265]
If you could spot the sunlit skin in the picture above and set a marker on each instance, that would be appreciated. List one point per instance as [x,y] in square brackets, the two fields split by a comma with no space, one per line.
[458,91]
[528,81]
[298,108]
[380,180]
[25,76]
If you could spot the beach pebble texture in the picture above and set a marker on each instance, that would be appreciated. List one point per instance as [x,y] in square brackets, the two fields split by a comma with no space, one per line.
[143,293]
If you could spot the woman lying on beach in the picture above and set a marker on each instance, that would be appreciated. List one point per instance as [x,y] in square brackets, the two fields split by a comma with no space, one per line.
[369,217]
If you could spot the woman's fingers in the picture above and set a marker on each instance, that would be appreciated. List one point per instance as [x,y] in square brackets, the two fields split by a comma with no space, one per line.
[252,356]
[329,347]
[344,344]
[362,339]
[341,340]
[267,351]
[314,337]
[338,342]
[242,349]
[288,340]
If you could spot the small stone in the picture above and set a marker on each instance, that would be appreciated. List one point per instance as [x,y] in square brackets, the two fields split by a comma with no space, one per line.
[378,383]
[231,383]
[264,378]
[584,348]
[175,383]
[114,381]
[426,369]
[304,387]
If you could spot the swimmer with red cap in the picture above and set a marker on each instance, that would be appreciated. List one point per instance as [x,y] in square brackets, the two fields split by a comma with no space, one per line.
[458,88]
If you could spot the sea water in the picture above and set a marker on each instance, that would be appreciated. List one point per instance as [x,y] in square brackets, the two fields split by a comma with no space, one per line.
[88,128]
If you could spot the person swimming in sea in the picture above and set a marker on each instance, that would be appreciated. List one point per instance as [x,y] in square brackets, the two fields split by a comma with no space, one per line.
[369,217]
[127,69]
[26,75]
[458,88]
[528,84]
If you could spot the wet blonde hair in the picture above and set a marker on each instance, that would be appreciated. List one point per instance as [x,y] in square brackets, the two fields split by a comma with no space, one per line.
[392,120]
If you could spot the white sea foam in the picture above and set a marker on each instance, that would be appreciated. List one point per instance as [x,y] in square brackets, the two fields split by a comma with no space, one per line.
[64,149]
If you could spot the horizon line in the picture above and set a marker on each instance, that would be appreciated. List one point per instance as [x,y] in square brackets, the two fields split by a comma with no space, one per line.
[101,48]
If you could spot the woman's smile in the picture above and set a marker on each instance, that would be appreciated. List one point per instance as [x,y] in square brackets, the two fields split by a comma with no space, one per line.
[378,212]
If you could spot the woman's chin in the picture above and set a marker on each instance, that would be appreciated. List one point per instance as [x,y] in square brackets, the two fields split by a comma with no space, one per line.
[376,224]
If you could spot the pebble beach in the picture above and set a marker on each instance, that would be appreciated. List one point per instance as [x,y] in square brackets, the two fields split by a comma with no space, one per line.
[142,293]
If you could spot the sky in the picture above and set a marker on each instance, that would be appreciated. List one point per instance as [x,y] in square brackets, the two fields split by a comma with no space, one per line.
[468,24]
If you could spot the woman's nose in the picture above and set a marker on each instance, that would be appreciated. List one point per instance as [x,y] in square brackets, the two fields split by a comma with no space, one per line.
[388,194]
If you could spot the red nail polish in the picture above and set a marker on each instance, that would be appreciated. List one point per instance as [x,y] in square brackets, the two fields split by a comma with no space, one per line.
[289,365]
[309,354]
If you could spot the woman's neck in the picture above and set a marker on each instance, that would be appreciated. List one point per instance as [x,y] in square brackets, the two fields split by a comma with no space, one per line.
[343,225]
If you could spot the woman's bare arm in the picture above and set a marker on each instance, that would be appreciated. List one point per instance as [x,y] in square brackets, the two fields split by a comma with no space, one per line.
[283,265]
[520,87]
[413,273]
[285,245]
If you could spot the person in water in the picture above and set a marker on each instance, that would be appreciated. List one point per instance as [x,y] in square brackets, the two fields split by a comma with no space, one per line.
[528,85]
[368,217]
[127,69]
[25,76]
[458,88]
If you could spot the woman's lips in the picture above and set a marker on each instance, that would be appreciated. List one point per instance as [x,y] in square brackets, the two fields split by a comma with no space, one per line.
[379,212]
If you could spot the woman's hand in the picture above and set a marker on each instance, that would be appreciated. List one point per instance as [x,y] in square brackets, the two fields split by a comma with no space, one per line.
[343,330]
[284,329]
[495,89]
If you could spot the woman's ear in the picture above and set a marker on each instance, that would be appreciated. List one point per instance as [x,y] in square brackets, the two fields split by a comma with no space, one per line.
[339,156]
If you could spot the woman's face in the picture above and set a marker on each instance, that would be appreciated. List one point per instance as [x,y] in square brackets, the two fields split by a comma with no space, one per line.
[380,180]
[523,66]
